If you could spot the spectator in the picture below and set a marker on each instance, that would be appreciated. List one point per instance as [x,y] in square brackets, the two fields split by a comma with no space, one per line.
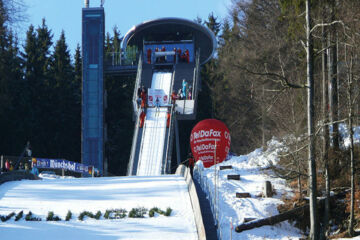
[190,93]
[156,58]
[34,169]
[184,87]
[11,166]
[168,117]
[173,97]
[179,95]
[191,163]
[163,58]
[149,56]
[142,118]
[7,165]
[157,104]
[26,167]
[187,56]
[21,166]
[174,55]
[138,100]
[179,55]
[143,96]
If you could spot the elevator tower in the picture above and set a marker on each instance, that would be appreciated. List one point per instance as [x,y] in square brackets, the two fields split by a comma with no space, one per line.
[92,138]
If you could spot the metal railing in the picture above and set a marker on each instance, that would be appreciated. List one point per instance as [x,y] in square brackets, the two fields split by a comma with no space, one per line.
[167,159]
[134,145]
[196,76]
[137,84]
[121,58]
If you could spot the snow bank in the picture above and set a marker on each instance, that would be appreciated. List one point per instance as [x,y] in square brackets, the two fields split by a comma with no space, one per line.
[231,210]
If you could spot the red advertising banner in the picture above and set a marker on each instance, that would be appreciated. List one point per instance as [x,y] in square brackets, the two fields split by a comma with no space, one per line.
[210,138]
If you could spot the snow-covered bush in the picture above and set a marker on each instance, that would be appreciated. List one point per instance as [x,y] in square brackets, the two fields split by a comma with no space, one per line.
[137,212]
[115,213]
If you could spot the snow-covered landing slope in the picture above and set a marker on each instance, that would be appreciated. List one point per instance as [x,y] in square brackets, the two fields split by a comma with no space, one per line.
[77,195]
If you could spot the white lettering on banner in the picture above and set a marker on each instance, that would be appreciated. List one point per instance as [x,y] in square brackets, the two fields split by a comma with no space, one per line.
[206,158]
[227,135]
[203,147]
[62,165]
[210,133]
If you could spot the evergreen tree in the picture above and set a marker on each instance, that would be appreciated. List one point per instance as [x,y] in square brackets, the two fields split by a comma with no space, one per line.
[66,105]
[10,85]
[213,24]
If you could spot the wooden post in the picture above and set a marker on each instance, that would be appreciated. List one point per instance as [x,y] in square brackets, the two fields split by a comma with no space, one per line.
[243,195]
[233,177]
[225,167]
[268,191]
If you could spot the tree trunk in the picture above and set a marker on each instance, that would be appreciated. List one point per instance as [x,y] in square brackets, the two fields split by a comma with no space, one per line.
[333,94]
[325,143]
[314,228]
[352,165]
[273,219]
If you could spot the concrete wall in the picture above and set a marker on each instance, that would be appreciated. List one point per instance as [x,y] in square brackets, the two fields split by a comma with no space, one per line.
[185,172]
[16,176]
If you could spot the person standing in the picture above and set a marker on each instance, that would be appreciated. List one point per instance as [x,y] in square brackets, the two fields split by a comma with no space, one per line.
[184,87]
[7,165]
[187,56]
[163,58]
[11,168]
[179,54]
[173,97]
[157,105]
[142,118]
[143,96]
[191,163]
[149,56]
[174,55]
[168,117]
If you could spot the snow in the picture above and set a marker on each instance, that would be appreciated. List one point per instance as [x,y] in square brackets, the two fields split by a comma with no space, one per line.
[93,194]
[232,210]
[154,131]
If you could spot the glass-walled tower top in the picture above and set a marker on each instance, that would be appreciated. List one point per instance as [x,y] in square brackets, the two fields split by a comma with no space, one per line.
[171,35]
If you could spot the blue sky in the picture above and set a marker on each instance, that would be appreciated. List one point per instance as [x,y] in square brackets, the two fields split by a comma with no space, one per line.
[66,14]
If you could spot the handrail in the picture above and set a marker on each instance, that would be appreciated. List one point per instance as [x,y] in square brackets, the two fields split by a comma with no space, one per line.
[168,149]
[133,148]
[196,76]
[137,84]
[141,145]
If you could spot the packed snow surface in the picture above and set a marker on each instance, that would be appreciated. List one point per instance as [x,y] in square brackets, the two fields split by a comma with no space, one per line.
[93,194]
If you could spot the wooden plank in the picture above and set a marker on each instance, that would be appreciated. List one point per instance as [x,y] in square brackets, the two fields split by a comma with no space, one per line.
[225,167]
[233,177]
[243,195]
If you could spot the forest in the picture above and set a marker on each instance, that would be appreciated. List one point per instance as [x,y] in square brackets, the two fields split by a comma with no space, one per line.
[285,69]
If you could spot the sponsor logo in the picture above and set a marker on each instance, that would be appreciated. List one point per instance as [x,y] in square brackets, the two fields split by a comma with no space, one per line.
[204,147]
[206,158]
[62,164]
[210,133]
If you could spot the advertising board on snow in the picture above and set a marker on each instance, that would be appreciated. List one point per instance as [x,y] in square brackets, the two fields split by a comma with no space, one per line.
[210,138]
[153,94]
[61,164]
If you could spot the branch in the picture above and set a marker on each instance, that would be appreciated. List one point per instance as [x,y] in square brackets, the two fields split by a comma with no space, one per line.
[325,25]
[283,80]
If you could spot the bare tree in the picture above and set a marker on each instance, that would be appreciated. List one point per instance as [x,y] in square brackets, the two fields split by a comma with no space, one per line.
[314,226]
